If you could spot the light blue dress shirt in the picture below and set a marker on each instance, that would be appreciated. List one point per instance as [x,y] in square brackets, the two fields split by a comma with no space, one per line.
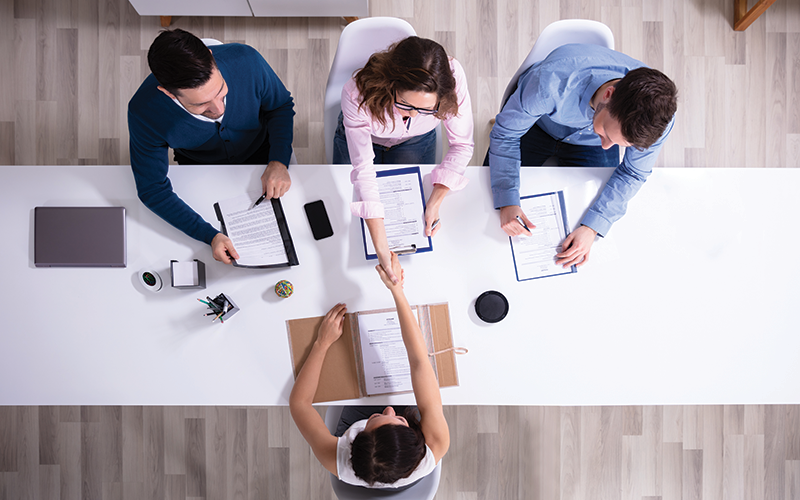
[556,93]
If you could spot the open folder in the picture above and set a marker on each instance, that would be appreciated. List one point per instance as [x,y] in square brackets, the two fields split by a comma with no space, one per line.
[404,213]
[370,358]
[259,234]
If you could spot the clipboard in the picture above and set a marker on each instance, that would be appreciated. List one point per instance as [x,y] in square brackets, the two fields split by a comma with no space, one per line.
[283,228]
[543,269]
[398,244]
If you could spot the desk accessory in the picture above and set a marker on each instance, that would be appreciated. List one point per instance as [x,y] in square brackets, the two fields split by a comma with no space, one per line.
[150,280]
[491,306]
[79,237]
[187,275]
[221,306]
[284,289]
[344,375]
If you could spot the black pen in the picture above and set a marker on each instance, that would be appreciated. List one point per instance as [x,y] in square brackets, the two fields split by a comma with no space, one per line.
[263,196]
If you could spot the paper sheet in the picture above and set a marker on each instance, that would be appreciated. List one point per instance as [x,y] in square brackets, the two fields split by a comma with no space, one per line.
[253,230]
[384,355]
[535,255]
[404,219]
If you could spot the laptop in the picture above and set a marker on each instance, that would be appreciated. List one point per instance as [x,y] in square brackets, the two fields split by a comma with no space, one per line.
[79,237]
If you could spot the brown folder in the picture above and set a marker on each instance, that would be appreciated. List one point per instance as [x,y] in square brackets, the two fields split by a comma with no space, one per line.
[342,374]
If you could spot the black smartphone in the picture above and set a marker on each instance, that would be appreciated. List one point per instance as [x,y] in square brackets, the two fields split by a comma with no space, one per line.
[318,219]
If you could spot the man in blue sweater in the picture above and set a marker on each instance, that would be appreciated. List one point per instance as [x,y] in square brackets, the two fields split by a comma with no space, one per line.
[580,104]
[222,105]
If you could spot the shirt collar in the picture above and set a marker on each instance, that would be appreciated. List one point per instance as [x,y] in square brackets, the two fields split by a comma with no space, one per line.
[598,78]
[201,117]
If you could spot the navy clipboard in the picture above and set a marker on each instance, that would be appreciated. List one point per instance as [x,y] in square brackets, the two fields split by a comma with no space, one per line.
[402,249]
[561,208]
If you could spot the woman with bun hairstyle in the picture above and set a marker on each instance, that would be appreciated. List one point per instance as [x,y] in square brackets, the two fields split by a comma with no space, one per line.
[390,109]
[386,449]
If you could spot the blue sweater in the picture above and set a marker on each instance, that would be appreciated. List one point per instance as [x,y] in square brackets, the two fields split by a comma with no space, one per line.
[257,104]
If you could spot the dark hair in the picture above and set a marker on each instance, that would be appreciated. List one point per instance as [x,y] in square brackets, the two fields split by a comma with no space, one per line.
[390,452]
[644,102]
[413,64]
[180,60]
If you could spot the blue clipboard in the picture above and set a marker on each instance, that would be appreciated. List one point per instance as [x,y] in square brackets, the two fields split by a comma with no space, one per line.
[562,207]
[389,173]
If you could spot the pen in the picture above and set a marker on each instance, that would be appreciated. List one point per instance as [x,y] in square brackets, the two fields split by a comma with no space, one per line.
[435,223]
[263,196]
[519,219]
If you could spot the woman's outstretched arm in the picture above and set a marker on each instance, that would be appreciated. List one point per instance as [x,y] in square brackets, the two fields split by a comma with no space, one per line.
[423,379]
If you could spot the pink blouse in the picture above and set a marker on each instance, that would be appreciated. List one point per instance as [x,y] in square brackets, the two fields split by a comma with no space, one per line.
[362,130]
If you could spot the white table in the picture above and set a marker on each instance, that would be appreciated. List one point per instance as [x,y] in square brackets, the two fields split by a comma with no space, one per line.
[691,299]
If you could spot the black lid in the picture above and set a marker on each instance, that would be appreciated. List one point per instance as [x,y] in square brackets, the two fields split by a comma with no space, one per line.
[491,306]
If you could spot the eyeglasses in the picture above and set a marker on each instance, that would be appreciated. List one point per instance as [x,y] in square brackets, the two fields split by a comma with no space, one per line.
[408,107]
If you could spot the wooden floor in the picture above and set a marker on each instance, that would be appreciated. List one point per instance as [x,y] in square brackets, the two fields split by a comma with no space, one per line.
[548,453]
[71,66]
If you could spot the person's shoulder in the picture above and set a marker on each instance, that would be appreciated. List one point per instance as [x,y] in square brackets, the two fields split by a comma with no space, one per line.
[589,55]
[145,97]
[457,68]
[236,54]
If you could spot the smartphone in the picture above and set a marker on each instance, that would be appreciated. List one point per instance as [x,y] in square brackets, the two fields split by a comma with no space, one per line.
[318,219]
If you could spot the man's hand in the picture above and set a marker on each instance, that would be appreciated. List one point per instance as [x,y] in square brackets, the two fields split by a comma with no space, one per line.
[432,208]
[331,328]
[222,249]
[509,222]
[576,247]
[275,180]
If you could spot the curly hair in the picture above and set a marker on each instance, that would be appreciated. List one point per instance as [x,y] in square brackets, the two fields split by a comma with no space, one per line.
[644,102]
[413,64]
[390,452]
[180,60]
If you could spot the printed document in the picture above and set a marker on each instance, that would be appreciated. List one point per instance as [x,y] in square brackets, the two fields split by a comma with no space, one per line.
[535,254]
[383,352]
[401,195]
[253,230]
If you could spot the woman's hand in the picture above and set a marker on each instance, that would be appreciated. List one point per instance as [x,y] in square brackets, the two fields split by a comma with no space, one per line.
[331,328]
[394,265]
[432,208]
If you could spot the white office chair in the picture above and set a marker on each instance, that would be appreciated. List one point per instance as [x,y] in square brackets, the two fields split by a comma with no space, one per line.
[557,34]
[213,41]
[359,40]
[423,490]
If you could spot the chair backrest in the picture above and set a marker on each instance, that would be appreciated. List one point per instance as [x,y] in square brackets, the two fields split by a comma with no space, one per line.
[423,490]
[210,41]
[359,40]
[557,34]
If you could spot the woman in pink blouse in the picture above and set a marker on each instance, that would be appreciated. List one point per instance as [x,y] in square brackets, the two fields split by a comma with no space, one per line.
[390,109]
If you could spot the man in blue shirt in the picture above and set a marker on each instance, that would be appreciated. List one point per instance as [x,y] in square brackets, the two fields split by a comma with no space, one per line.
[222,105]
[580,104]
